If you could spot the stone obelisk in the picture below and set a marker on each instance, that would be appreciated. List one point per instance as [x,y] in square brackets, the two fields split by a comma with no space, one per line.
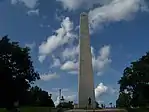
[85,78]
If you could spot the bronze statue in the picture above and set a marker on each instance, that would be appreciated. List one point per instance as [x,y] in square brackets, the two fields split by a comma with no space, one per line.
[89,101]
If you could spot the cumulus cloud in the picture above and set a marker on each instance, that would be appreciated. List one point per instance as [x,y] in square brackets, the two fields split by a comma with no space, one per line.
[41,58]
[99,62]
[69,95]
[67,98]
[100,89]
[70,65]
[74,72]
[70,53]
[105,11]
[47,77]
[63,35]
[56,62]
[62,89]
[28,3]
[115,11]
[76,4]
[102,60]
[33,12]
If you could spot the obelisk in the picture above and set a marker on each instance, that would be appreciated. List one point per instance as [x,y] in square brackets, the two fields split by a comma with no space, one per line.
[85,78]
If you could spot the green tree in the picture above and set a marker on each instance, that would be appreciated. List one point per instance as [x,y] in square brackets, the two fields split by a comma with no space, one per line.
[123,101]
[40,97]
[16,71]
[66,105]
[135,81]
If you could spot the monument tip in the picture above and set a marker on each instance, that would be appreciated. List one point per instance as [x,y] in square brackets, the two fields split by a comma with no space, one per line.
[84,14]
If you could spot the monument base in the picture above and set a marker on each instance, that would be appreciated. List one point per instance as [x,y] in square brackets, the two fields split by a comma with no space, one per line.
[89,107]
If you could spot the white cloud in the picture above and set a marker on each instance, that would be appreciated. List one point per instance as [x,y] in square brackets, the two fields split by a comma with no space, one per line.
[102,61]
[41,58]
[71,4]
[105,11]
[100,89]
[33,12]
[70,53]
[63,35]
[75,72]
[115,11]
[70,65]
[99,62]
[66,93]
[69,95]
[58,16]
[62,89]
[47,77]
[66,98]
[76,4]
[28,3]
[56,62]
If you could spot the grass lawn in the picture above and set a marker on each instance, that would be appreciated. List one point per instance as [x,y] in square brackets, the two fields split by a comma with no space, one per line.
[138,110]
[48,109]
[33,109]
[2,110]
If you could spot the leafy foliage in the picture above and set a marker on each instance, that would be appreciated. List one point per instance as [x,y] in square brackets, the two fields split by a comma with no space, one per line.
[134,84]
[16,72]
[38,97]
[123,100]
[66,105]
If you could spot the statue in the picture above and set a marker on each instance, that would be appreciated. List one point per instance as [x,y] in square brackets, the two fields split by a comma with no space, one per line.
[89,101]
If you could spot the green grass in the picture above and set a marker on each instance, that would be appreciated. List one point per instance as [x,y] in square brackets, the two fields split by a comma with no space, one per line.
[48,109]
[2,110]
[138,110]
[33,109]
[36,109]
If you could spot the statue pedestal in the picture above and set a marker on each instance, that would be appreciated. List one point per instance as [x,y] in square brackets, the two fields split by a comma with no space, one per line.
[89,107]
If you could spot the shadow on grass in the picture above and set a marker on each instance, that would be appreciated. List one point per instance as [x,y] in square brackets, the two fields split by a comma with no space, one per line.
[138,110]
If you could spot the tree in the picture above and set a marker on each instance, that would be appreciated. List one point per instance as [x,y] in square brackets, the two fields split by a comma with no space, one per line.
[66,105]
[39,97]
[44,99]
[135,81]
[16,71]
[123,101]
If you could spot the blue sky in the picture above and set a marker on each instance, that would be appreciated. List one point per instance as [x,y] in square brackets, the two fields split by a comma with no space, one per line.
[119,35]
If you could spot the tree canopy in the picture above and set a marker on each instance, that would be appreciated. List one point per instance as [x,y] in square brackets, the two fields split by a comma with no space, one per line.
[134,84]
[16,71]
[66,105]
[38,97]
